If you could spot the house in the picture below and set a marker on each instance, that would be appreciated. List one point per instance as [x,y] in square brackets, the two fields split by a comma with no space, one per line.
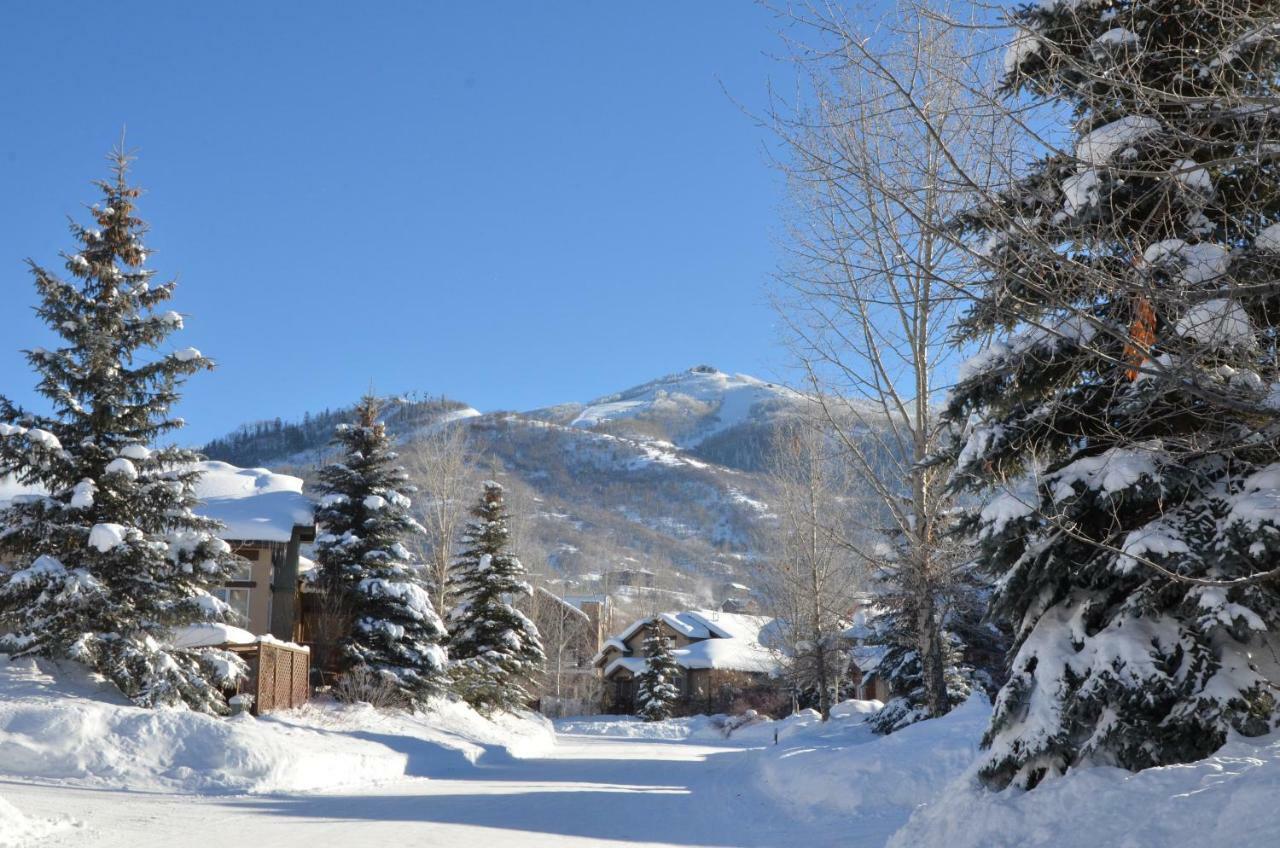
[639,578]
[864,659]
[722,660]
[572,629]
[600,611]
[266,520]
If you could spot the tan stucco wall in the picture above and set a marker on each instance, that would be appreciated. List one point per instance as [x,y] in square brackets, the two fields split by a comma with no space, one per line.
[260,593]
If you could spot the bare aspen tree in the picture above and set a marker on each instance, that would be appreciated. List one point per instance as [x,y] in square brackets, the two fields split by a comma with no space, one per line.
[809,579]
[440,467]
[882,151]
[566,634]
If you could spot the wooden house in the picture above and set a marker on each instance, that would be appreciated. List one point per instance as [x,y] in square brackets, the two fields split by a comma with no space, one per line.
[722,660]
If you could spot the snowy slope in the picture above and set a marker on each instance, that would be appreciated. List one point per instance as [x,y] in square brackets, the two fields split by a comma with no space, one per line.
[693,405]
[667,476]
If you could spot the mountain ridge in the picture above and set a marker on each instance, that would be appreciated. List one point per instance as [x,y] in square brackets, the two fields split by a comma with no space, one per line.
[666,476]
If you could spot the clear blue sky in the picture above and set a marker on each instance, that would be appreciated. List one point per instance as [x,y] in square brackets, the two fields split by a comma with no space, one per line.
[514,204]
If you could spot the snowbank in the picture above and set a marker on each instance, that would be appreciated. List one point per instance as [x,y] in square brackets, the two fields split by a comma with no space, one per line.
[748,729]
[62,724]
[630,727]
[446,737]
[1227,799]
[843,767]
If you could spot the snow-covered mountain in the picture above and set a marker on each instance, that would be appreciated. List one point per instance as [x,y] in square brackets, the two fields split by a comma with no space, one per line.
[666,476]
[686,409]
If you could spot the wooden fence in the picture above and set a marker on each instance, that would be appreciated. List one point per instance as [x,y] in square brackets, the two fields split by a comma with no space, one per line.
[278,677]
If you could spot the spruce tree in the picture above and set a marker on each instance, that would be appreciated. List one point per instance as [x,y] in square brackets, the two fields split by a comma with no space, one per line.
[1130,279]
[972,649]
[112,558]
[389,627]
[495,648]
[656,692]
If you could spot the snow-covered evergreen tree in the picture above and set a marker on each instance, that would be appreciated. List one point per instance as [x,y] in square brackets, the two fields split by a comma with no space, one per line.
[112,558]
[1131,279]
[656,690]
[390,627]
[495,649]
[972,649]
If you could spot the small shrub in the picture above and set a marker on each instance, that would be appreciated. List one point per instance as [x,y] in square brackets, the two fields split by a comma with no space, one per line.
[364,685]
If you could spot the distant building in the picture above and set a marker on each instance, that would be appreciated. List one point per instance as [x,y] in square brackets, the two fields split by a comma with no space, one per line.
[640,578]
[572,629]
[864,659]
[600,612]
[723,663]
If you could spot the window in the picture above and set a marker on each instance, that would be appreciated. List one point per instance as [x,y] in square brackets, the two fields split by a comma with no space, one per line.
[243,571]
[237,599]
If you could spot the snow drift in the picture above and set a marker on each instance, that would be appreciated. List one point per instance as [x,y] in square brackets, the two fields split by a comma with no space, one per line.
[61,724]
[877,781]
[1226,799]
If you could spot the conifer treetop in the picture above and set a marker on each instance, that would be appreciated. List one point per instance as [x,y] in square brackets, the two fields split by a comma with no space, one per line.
[112,558]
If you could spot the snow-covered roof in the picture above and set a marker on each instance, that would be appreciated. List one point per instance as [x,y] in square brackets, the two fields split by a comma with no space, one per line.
[868,657]
[579,600]
[635,665]
[563,603]
[720,640]
[729,654]
[209,634]
[612,643]
[254,503]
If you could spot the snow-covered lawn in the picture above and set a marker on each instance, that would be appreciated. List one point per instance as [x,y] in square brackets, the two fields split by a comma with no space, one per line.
[79,767]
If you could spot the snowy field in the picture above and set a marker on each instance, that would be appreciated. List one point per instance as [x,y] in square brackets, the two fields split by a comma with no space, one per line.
[80,767]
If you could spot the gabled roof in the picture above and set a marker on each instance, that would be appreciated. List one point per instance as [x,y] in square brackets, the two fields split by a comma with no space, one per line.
[563,603]
[720,640]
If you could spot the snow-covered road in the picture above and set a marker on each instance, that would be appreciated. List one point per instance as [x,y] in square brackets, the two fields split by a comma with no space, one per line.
[588,791]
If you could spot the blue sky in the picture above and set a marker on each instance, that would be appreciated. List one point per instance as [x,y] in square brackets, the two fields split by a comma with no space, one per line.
[514,204]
